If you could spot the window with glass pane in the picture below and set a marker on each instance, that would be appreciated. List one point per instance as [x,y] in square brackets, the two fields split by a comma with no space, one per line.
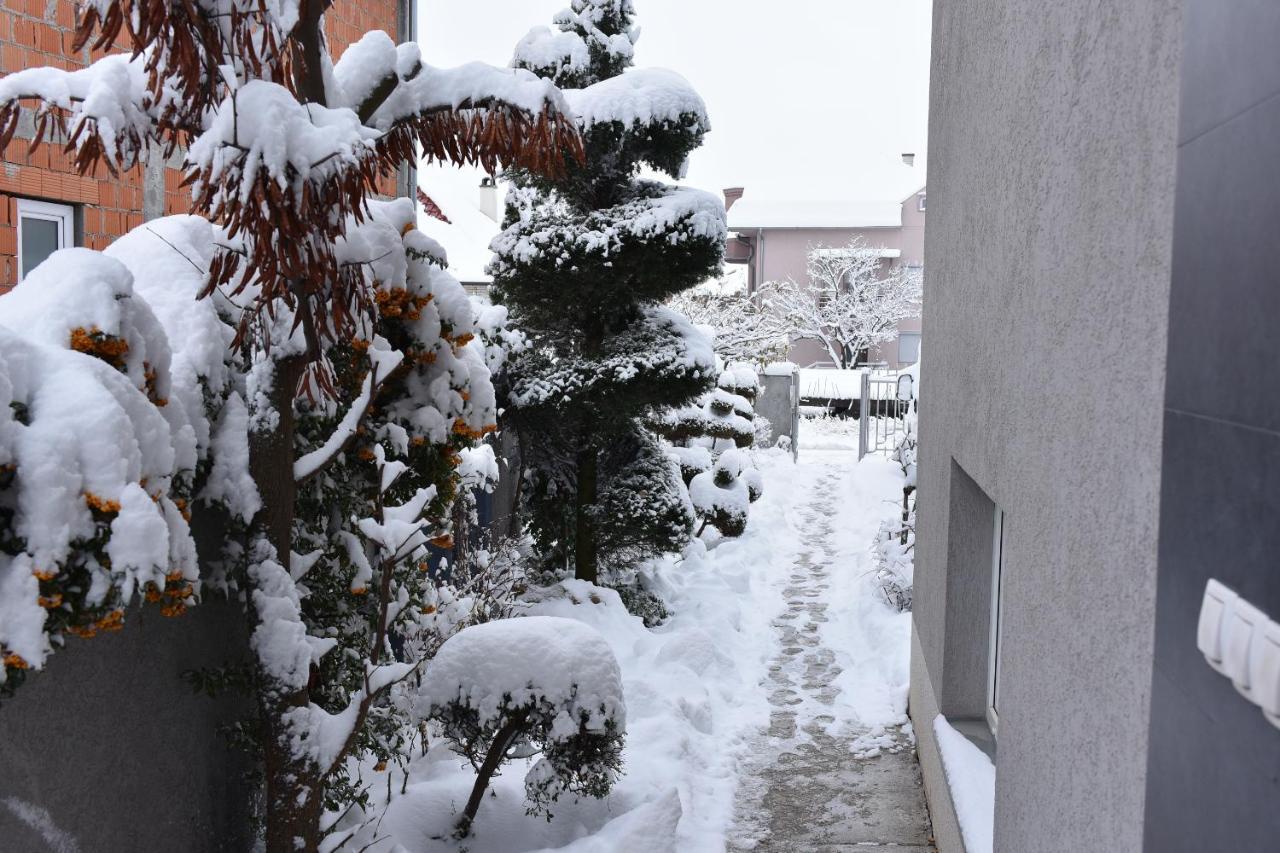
[43,228]
[908,347]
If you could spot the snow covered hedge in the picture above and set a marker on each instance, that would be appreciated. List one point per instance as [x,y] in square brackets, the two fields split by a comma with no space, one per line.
[104,436]
[537,684]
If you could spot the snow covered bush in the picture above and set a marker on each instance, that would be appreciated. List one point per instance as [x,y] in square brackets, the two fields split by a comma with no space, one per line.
[894,549]
[585,262]
[533,685]
[356,387]
[99,451]
[709,440]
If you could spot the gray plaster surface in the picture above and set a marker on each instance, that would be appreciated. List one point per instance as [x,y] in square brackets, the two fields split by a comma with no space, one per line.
[804,789]
[1047,266]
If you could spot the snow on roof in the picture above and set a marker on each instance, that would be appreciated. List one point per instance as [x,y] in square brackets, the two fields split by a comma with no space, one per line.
[465,236]
[749,213]
[879,252]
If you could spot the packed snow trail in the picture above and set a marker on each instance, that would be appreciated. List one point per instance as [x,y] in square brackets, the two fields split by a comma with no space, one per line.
[835,769]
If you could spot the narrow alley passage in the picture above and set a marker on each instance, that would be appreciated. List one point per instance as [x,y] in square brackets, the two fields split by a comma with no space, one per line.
[828,773]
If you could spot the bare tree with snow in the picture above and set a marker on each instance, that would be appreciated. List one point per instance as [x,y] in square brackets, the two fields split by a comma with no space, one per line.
[852,300]
[745,330]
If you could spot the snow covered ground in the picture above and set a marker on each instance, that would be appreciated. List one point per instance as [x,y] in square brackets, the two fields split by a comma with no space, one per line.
[696,688]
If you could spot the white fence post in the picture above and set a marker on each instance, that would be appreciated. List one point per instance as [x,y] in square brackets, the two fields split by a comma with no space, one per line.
[864,419]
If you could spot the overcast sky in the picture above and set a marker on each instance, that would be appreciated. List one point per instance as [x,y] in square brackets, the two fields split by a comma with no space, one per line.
[808,98]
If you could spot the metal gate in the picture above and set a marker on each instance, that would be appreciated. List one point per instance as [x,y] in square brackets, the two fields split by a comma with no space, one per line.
[885,402]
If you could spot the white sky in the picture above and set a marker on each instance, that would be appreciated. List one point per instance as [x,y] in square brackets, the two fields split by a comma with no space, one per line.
[808,98]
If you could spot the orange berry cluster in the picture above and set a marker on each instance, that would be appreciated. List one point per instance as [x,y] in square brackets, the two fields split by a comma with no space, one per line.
[398,302]
[93,341]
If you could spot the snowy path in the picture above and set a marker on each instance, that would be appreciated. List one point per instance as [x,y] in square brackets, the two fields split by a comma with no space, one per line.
[835,769]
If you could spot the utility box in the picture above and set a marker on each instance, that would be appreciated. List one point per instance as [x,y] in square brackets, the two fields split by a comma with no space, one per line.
[779,402]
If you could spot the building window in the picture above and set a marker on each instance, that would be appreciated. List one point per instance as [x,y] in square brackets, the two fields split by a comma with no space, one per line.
[920,202]
[43,228]
[908,347]
[997,608]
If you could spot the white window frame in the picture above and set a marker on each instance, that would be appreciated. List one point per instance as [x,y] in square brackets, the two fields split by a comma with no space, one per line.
[997,613]
[920,202]
[63,214]
[919,338]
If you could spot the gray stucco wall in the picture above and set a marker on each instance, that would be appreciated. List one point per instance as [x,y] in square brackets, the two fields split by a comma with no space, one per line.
[1047,263]
[110,750]
[1214,772]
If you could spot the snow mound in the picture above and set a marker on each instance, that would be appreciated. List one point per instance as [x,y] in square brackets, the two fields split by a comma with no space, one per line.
[514,662]
[971,776]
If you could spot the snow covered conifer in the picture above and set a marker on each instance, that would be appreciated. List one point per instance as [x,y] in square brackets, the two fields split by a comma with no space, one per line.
[585,264]
[538,685]
[358,380]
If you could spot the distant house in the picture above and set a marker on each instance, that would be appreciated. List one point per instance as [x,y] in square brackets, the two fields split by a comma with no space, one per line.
[772,240]
[464,225]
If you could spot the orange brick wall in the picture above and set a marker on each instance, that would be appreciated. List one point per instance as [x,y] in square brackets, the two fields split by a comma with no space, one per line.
[40,32]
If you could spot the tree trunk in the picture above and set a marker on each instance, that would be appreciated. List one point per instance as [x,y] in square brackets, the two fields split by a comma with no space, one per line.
[493,759]
[584,543]
[294,796]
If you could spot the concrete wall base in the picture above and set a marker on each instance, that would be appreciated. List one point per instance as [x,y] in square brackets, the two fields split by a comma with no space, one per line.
[923,707]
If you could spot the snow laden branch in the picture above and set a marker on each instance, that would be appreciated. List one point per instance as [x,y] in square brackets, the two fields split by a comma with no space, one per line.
[282,158]
[852,300]
[383,362]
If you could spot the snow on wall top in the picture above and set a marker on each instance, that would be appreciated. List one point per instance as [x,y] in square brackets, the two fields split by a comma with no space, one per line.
[749,213]
[528,659]
[640,96]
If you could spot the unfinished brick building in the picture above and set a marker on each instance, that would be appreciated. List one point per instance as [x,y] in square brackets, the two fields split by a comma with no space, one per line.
[46,205]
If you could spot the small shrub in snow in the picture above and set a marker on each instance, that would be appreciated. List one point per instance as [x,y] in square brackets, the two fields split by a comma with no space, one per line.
[708,438]
[642,601]
[535,685]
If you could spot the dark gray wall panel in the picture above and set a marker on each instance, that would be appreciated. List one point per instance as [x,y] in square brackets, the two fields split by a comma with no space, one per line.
[117,752]
[1213,780]
[1231,63]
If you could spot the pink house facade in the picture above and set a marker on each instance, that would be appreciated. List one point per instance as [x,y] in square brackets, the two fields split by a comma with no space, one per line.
[773,239]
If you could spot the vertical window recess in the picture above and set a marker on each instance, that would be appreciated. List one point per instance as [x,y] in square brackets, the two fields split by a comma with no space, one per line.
[997,607]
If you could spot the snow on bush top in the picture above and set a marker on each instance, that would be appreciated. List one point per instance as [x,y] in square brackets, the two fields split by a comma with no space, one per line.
[86,457]
[674,214]
[740,378]
[431,88]
[498,666]
[168,258]
[80,299]
[641,96]
[551,51]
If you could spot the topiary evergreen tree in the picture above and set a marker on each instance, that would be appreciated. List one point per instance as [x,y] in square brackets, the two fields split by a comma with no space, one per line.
[584,265]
